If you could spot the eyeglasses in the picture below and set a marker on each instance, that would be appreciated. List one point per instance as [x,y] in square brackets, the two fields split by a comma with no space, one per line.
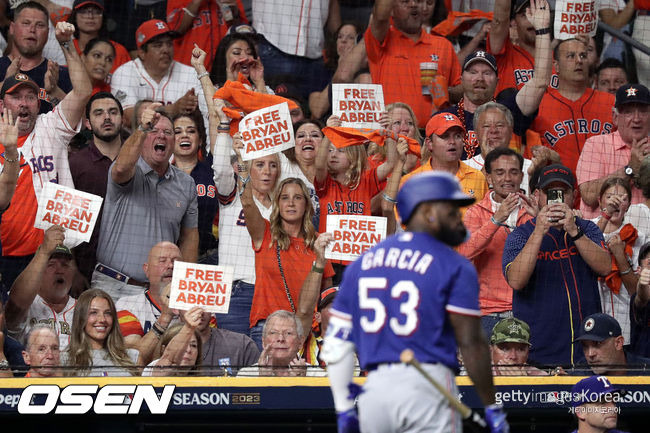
[285,334]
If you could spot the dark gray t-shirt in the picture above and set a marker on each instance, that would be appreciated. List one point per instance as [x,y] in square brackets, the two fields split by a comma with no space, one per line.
[227,350]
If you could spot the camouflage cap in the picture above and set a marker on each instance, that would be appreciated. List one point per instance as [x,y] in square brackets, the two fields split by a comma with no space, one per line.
[510,330]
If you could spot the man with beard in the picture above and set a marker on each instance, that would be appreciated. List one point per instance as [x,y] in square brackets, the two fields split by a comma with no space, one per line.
[421,294]
[444,139]
[144,317]
[90,165]
[41,293]
[43,148]
[479,80]
[29,32]
[553,263]
[148,201]
[155,75]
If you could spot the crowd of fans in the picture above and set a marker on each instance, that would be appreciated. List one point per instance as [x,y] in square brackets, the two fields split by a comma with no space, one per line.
[550,137]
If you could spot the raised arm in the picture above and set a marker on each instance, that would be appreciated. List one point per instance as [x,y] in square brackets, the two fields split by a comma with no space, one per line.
[74,103]
[189,12]
[380,19]
[323,152]
[310,291]
[530,96]
[26,287]
[391,159]
[351,63]
[177,346]
[594,255]
[11,163]
[254,219]
[389,195]
[214,118]
[500,25]
[620,18]
[123,169]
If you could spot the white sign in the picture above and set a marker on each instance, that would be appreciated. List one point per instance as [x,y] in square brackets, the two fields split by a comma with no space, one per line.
[353,235]
[358,105]
[266,131]
[204,286]
[74,210]
[575,17]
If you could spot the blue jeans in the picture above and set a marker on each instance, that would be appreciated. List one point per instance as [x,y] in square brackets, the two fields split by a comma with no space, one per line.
[256,333]
[239,311]
[308,75]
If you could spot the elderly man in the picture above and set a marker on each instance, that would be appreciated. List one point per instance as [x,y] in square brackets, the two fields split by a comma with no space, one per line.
[444,140]
[282,338]
[155,75]
[602,344]
[43,146]
[593,402]
[553,263]
[148,201]
[395,29]
[509,347]
[42,352]
[41,293]
[618,154]
[490,221]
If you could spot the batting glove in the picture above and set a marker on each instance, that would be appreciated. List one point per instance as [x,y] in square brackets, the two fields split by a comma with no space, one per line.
[348,421]
[496,419]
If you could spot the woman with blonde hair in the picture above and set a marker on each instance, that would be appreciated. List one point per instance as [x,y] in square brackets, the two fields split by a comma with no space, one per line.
[96,345]
[399,119]
[286,249]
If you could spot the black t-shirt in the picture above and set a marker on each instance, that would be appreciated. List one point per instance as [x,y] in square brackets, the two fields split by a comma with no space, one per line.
[38,75]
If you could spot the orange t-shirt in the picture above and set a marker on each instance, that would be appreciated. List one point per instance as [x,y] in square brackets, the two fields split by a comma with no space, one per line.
[515,66]
[19,237]
[270,294]
[337,199]
[565,125]
[395,64]
[207,30]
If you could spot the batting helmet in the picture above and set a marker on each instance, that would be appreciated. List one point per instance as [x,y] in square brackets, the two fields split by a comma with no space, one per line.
[429,186]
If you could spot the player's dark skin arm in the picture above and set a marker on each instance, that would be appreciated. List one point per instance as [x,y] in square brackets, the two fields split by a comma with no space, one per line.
[476,354]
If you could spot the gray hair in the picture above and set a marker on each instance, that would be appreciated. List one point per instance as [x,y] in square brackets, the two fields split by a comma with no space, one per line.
[283,314]
[493,106]
[35,329]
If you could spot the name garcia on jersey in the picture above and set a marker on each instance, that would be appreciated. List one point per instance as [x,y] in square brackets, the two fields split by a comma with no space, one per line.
[397,258]
[585,126]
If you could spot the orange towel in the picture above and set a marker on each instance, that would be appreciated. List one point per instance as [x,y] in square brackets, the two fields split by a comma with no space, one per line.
[343,137]
[457,22]
[628,235]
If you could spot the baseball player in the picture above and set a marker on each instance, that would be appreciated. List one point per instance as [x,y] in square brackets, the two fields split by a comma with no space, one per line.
[411,291]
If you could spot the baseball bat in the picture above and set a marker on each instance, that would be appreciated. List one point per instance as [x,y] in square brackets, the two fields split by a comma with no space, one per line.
[408,357]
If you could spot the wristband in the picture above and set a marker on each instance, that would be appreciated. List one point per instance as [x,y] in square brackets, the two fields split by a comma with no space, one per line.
[12,160]
[626,271]
[187,11]
[605,215]
[65,45]
[543,31]
[388,198]
[223,128]
[202,74]
[316,269]
[578,235]
[157,329]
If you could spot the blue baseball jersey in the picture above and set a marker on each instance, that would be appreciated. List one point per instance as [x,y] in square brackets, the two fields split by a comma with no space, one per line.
[397,296]
[560,293]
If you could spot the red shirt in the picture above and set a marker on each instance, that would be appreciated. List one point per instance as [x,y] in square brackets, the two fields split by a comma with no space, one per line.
[270,294]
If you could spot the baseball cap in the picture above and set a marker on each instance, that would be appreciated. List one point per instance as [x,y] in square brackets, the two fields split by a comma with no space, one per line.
[591,390]
[519,5]
[12,83]
[629,93]
[81,3]
[149,30]
[61,251]
[555,173]
[327,296]
[480,56]
[599,327]
[441,122]
[643,252]
[511,330]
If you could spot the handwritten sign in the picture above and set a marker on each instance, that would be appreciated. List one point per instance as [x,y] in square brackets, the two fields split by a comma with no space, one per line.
[353,235]
[266,131]
[204,286]
[358,105]
[74,210]
[574,17]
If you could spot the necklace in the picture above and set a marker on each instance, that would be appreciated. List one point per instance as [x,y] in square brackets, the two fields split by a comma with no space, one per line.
[469,145]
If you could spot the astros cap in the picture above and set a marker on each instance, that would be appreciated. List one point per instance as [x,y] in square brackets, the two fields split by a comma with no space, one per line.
[61,251]
[12,84]
[149,30]
[481,56]
[441,122]
[511,330]
[591,390]
[78,4]
[327,296]
[555,173]
[629,93]
[599,327]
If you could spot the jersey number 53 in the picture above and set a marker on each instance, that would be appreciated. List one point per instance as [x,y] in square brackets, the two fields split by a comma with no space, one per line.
[369,300]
